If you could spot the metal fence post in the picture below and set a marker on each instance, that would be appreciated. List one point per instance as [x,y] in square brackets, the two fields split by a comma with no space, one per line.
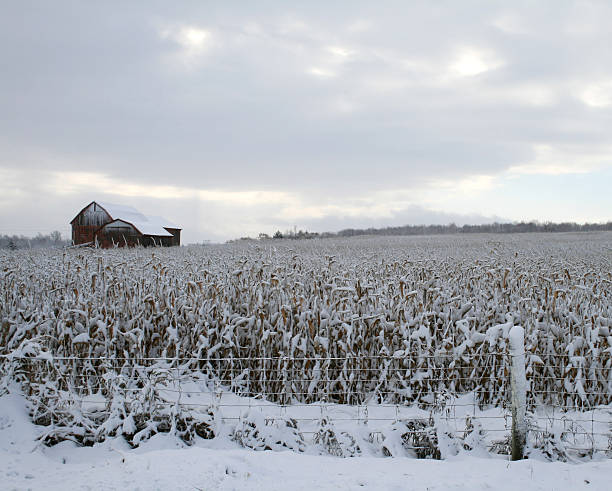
[518,386]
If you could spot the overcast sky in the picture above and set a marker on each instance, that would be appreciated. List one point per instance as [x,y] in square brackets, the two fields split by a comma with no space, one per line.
[233,118]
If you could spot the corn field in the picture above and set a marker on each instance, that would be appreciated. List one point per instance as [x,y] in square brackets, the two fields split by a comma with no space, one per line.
[392,320]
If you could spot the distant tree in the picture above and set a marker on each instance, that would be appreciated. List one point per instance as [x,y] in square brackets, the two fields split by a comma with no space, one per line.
[39,241]
[452,228]
[496,227]
[56,236]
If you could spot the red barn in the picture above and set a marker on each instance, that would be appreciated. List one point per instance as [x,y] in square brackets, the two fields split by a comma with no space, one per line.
[111,225]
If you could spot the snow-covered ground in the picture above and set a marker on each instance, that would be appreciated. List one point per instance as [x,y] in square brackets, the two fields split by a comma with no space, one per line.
[165,463]
[388,344]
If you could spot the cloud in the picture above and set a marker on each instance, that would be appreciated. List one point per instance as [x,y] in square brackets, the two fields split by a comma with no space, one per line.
[564,159]
[509,22]
[65,183]
[289,207]
[223,214]
[472,61]
[302,112]
[598,95]
[321,72]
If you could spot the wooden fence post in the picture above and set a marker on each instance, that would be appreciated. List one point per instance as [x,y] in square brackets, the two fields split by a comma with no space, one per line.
[518,386]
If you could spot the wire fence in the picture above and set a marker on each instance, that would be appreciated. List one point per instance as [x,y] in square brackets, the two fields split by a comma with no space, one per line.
[352,394]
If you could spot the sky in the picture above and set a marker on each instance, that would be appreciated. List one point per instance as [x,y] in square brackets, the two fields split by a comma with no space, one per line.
[234,118]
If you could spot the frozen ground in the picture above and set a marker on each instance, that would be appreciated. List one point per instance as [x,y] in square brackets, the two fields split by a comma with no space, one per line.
[162,463]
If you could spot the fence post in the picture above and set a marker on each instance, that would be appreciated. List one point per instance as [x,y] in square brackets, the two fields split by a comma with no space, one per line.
[518,386]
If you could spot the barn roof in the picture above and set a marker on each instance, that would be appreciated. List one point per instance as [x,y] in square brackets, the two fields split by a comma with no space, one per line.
[144,228]
[146,225]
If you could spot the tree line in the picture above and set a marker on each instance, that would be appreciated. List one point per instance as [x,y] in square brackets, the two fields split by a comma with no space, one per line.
[495,228]
[499,228]
[39,241]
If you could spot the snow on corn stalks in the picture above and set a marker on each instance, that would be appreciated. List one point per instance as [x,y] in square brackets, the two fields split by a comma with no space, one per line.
[394,320]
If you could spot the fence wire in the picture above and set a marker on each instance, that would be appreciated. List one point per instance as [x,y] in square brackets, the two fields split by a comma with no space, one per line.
[561,419]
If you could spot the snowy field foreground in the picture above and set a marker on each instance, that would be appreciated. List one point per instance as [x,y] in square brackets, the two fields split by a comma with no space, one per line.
[170,368]
[165,463]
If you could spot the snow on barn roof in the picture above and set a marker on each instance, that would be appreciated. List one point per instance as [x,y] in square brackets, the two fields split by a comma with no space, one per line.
[146,225]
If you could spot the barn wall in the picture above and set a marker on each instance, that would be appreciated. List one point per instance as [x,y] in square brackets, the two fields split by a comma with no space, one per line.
[123,234]
[87,222]
[175,240]
[156,241]
[118,233]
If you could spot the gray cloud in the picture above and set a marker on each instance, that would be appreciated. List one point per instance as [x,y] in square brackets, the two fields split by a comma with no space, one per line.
[309,99]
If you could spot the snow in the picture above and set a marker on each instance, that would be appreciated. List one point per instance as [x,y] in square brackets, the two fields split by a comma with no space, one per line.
[147,225]
[144,228]
[164,463]
[81,338]
[290,315]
